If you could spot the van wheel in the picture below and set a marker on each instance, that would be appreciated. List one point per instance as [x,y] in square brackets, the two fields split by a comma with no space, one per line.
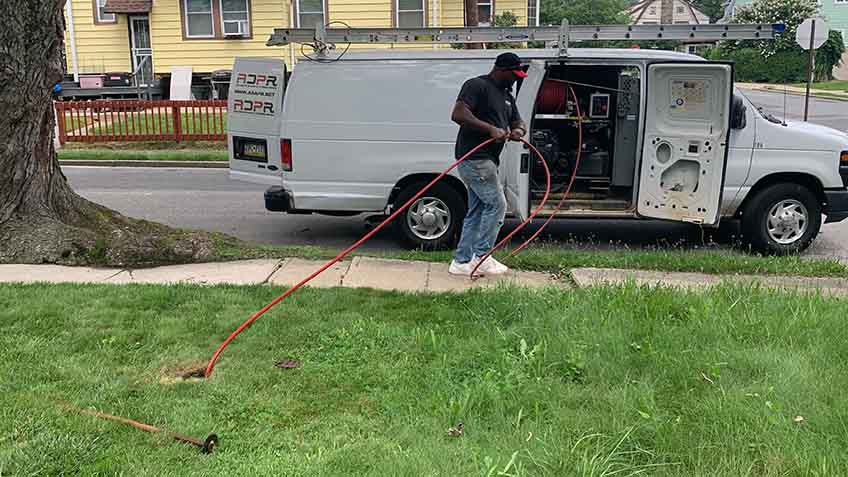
[433,221]
[781,219]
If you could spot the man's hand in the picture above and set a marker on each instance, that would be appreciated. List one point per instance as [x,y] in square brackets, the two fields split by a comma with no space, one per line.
[498,133]
[516,134]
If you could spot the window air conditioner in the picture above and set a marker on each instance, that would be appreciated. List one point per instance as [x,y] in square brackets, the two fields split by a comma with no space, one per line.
[235,28]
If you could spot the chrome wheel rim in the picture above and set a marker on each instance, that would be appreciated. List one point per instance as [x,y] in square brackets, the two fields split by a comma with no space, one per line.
[428,218]
[787,221]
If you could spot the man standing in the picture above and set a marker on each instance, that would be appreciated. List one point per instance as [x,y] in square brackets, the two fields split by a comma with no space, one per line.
[485,109]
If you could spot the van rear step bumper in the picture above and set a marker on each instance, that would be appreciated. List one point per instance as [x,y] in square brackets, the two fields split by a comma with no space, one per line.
[278,199]
[837,205]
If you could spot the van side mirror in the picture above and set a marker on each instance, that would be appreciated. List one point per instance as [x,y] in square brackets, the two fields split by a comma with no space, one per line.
[738,109]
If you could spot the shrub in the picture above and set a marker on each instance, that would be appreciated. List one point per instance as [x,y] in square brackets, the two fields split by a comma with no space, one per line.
[752,66]
[781,59]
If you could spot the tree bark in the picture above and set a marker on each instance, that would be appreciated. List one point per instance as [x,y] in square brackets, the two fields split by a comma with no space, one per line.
[42,220]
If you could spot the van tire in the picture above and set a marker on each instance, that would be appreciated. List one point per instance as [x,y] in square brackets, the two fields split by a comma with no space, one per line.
[801,209]
[440,198]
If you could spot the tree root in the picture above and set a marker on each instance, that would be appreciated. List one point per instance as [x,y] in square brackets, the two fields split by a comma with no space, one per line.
[95,235]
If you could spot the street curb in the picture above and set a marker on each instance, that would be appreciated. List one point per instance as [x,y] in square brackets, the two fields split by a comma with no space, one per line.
[143,163]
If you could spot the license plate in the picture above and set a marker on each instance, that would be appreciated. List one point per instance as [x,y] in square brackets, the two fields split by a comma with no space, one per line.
[251,149]
[254,150]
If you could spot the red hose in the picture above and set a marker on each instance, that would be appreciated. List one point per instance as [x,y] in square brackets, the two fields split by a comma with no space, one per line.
[570,182]
[211,366]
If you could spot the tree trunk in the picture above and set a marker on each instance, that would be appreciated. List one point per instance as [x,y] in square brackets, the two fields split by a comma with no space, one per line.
[41,219]
[472,20]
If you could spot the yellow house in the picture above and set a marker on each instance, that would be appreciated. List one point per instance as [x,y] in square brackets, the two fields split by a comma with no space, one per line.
[153,36]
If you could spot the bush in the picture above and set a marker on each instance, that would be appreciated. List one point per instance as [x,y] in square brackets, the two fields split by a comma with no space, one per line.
[781,59]
[752,66]
[829,56]
[783,66]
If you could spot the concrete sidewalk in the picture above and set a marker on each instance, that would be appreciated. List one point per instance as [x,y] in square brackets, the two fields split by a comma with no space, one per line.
[398,275]
[361,272]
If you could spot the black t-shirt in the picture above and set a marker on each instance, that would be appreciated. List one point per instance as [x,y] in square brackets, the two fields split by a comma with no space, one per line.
[490,103]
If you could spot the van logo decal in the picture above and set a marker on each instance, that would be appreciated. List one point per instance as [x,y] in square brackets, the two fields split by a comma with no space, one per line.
[252,106]
[257,80]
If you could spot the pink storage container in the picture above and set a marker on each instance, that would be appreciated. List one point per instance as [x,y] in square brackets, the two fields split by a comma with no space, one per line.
[92,81]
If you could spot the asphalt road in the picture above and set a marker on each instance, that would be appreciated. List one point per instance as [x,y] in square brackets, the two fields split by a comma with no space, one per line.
[827,112]
[206,199]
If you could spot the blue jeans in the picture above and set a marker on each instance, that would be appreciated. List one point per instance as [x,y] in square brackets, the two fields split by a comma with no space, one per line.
[486,209]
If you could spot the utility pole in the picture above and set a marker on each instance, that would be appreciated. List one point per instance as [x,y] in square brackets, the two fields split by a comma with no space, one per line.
[472,20]
[667,12]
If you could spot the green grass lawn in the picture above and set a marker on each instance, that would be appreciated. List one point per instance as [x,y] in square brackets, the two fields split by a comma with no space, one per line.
[835,85]
[607,381]
[145,122]
[144,155]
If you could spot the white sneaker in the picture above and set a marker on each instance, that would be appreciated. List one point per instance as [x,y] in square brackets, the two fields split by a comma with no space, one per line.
[457,268]
[492,267]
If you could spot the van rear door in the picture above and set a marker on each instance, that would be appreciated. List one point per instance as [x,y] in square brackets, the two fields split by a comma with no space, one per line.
[684,146]
[254,116]
[516,158]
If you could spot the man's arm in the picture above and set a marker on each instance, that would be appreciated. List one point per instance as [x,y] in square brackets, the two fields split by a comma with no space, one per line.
[463,116]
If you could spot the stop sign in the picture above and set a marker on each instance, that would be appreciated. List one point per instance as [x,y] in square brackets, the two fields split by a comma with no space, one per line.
[805,32]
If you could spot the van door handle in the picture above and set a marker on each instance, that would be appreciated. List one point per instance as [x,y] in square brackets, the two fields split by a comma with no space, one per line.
[525,163]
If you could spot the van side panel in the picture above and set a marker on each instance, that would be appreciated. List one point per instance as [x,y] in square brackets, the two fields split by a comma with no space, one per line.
[357,128]
[797,148]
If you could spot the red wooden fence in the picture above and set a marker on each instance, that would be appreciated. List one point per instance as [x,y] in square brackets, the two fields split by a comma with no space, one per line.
[129,120]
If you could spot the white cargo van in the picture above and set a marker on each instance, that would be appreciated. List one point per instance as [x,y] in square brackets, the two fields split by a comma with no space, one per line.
[665,136]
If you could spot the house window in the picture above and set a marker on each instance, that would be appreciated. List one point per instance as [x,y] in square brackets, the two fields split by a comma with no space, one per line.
[652,11]
[484,13]
[235,17]
[100,15]
[533,13]
[410,14]
[310,13]
[680,10]
[198,19]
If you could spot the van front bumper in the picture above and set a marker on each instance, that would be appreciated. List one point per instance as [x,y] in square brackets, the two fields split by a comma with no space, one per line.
[278,199]
[837,205]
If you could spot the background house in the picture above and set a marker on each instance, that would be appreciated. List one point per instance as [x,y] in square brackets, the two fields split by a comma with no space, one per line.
[154,36]
[648,12]
[651,12]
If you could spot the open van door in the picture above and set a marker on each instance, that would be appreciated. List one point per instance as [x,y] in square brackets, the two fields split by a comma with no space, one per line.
[516,159]
[254,116]
[685,142]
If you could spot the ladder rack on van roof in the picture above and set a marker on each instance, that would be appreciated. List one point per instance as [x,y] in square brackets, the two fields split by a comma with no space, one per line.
[320,36]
